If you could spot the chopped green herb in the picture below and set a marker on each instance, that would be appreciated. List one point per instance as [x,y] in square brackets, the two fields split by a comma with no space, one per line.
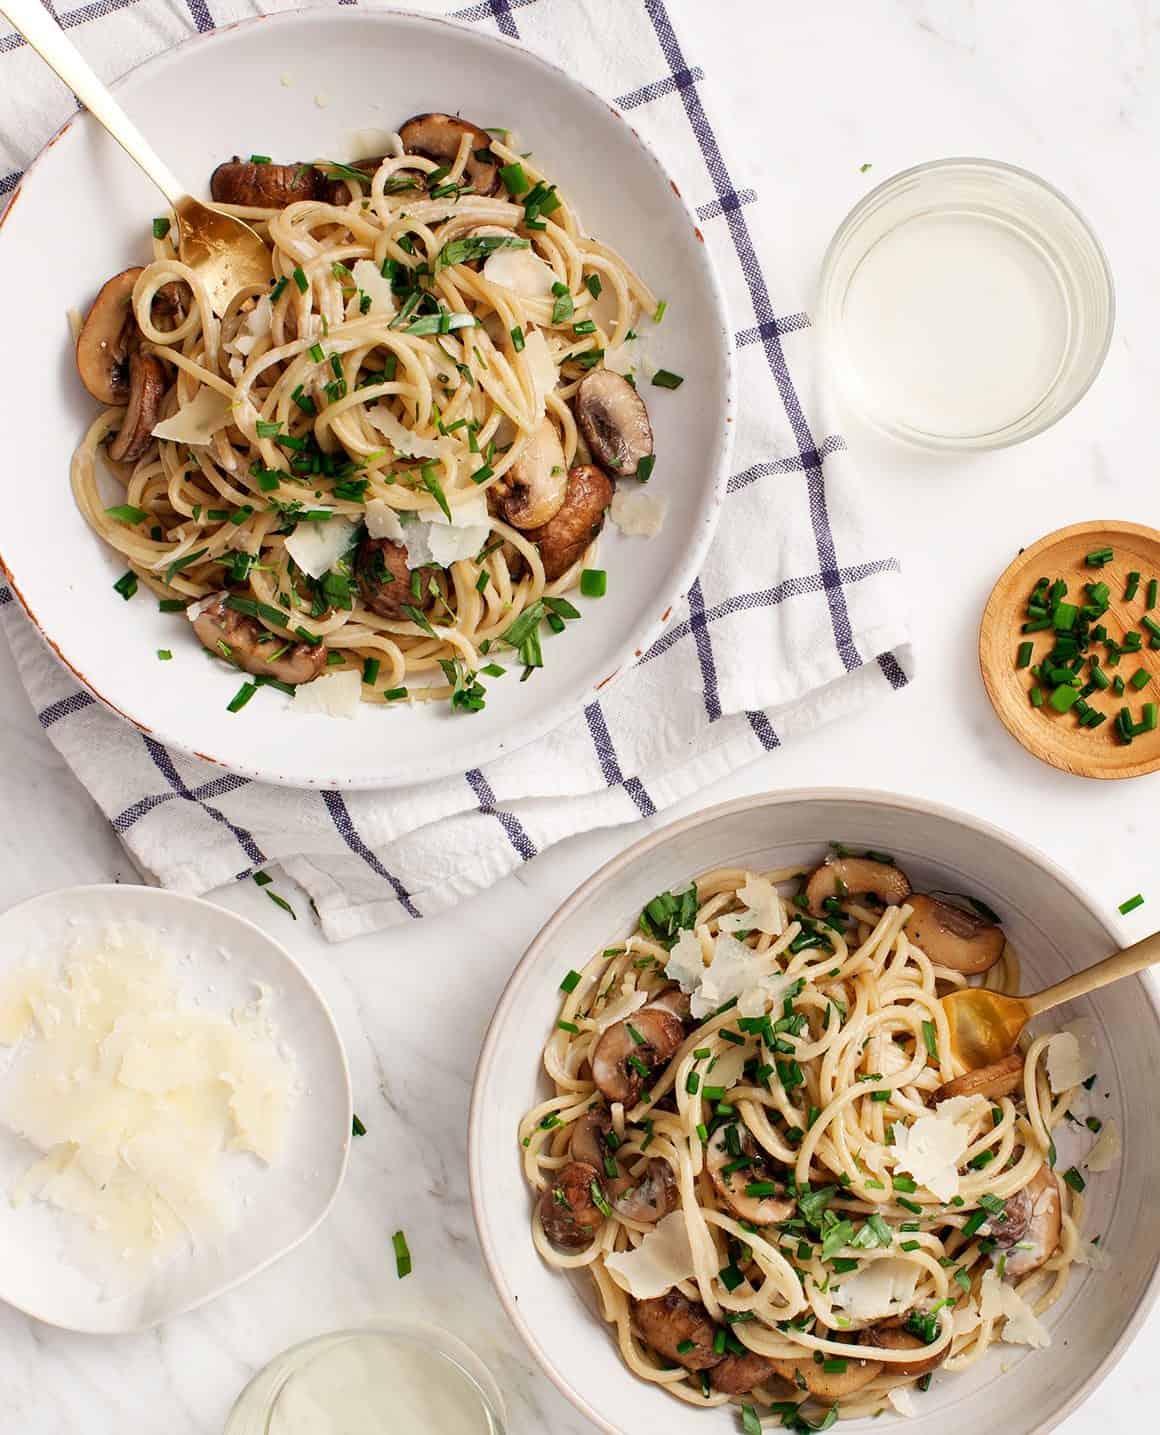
[664,379]
[402,1255]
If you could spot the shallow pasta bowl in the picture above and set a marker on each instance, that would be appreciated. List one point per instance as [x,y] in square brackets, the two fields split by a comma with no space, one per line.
[1056,930]
[313,83]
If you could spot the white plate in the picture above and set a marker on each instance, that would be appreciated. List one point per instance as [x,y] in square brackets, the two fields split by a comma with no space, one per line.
[373,70]
[221,958]
[1055,928]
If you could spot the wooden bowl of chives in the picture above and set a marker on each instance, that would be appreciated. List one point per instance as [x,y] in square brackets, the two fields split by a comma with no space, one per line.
[1085,726]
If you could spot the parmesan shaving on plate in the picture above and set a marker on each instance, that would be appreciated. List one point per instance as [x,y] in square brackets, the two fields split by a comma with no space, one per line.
[370,281]
[330,695]
[434,540]
[520,270]
[878,1289]
[1106,1149]
[637,513]
[383,521]
[316,546]
[132,1098]
[198,421]
[733,971]
[1071,1056]
[662,1259]
[405,443]
[542,363]
[762,910]
[903,1402]
[999,1301]
[930,1151]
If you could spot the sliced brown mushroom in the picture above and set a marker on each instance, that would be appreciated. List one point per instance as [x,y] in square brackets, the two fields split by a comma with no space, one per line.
[621,1053]
[645,1199]
[738,1374]
[107,338]
[438,136]
[999,1079]
[679,1329]
[759,1210]
[531,493]
[569,1212]
[893,1337]
[952,937]
[563,539]
[147,384]
[856,877]
[244,642]
[806,1374]
[265,186]
[675,1000]
[386,583]
[614,421]
[339,192]
[1028,1230]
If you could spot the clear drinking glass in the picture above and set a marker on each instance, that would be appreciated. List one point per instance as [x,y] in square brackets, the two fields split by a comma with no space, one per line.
[965,304]
[386,1378]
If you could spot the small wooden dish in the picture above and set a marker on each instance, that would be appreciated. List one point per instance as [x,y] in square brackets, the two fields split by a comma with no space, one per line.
[1056,737]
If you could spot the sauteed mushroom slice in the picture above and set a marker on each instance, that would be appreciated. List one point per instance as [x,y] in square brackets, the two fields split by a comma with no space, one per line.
[679,1329]
[337,191]
[894,1337]
[733,1180]
[147,385]
[857,877]
[645,1198]
[437,136]
[243,640]
[107,338]
[614,421]
[532,490]
[563,539]
[641,1045]
[674,1000]
[1030,1226]
[952,937]
[265,186]
[828,1385]
[1001,1078]
[386,583]
[738,1374]
[568,1209]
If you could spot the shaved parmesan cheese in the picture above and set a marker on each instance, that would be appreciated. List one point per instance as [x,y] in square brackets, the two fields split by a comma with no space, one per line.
[198,421]
[383,521]
[631,357]
[317,547]
[930,1151]
[999,1301]
[727,975]
[542,362]
[331,694]
[637,513]
[1106,1150]
[762,910]
[369,279]
[520,270]
[962,1110]
[727,1069]
[1071,1056]
[434,540]
[255,326]
[1087,1253]
[877,1289]
[617,1010]
[965,1318]
[401,439]
[686,963]
[661,1260]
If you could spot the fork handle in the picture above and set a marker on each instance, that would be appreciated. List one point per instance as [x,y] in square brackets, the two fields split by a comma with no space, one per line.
[45,36]
[1133,959]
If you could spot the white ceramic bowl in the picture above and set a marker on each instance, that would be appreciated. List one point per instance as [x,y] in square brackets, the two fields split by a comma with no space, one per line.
[221,959]
[349,70]
[1056,929]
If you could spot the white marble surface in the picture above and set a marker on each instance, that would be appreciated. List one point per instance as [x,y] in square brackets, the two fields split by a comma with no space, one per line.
[1069,90]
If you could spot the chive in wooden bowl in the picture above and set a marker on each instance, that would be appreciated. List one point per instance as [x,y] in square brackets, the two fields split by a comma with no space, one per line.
[1074,674]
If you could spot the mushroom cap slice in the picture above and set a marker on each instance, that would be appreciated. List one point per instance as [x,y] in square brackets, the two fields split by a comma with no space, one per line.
[669,1322]
[1001,1078]
[1031,1231]
[647,1198]
[731,1185]
[437,136]
[106,339]
[532,490]
[249,645]
[826,1385]
[265,186]
[952,937]
[384,579]
[569,1214]
[614,421]
[589,1140]
[856,877]
[618,1052]
[675,1000]
[147,385]
[579,519]
[738,1374]
[894,1337]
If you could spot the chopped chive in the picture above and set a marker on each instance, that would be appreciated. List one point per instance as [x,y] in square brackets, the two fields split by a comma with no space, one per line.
[356,1126]
[1064,698]
[593,285]
[300,279]
[659,312]
[1153,588]
[1074,1179]
[665,379]
[1098,557]
[241,697]
[570,982]
[402,1255]
[164,655]
[1131,904]
[593,582]
[171,605]
[1036,697]
[126,513]
[645,466]
[393,694]
[569,1026]
[126,585]
[1023,658]
[514,179]
[517,338]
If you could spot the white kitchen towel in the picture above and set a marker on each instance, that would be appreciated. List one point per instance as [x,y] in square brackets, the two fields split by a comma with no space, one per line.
[796,618]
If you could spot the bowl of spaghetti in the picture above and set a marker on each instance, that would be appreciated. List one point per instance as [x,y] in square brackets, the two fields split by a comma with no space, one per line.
[727,1170]
[442,473]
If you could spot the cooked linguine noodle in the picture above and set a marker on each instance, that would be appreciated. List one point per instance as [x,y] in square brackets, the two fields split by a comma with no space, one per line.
[772,1153]
[391,377]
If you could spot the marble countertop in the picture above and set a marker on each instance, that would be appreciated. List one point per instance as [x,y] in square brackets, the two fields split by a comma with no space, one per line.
[1070,93]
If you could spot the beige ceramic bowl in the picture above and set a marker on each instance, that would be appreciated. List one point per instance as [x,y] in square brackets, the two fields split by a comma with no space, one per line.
[1057,930]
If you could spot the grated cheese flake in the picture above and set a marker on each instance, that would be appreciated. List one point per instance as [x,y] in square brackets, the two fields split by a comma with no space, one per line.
[317,547]
[520,270]
[1071,1056]
[999,1301]
[637,512]
[762,911]
[196,422]
[1106,1148]
[879,1288]
[383,521]
[662,1259]
[330,694]
[368,277]
[930,1150]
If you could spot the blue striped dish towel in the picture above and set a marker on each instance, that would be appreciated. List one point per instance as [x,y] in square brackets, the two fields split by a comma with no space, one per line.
[796,574]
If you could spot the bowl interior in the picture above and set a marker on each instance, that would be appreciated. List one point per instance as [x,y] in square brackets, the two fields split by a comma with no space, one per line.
[312,85]
[223,960]
[1054,929]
